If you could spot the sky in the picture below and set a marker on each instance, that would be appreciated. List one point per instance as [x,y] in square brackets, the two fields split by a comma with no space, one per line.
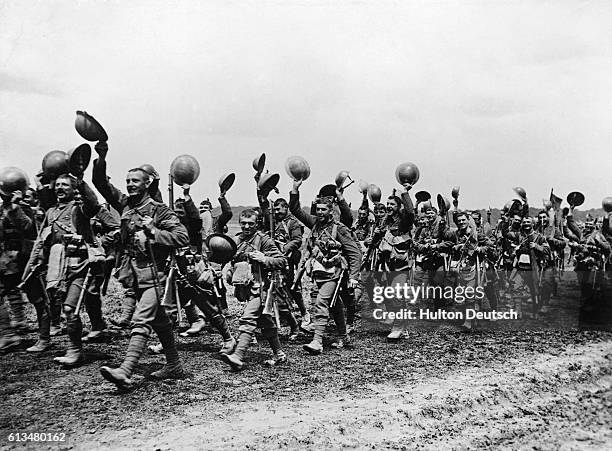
[486,95]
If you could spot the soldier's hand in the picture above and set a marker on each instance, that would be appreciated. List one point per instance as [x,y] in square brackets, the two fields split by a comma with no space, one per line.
[407,186]
[16,199]
[352,283]
[297,184]
[186,189]
[533,245]
[457,247]
[257,256]
[147,222]
[101,148]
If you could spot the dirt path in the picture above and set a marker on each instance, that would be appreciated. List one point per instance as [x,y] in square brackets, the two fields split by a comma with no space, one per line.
[557,400]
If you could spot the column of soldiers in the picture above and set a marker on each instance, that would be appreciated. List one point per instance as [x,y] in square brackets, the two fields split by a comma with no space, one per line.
[170,260]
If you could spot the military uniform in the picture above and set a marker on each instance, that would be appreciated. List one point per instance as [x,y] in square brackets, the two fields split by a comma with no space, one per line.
[251,281]
[145,252]
[17,231]
[197,285]
[73,258]
[288,238]
[525,277]
[332,251]
[465,248]
[591,251]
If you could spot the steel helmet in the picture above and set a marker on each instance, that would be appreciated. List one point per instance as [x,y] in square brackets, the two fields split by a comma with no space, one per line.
[575,198]
[55,163]
[13,179]
[89,128]
[297,168]
[185,170]
[226,181]
[407,173]
[259,163]
[221,247]
[374,193]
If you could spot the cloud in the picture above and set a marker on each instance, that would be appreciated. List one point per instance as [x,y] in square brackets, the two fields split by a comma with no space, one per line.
[24,85]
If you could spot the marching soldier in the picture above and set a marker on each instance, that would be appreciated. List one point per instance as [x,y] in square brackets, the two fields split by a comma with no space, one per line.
[17,230]
[466,247]
[197,287]
[333,252]
[395,247]
[428,249]
[101,182]
[591,251]
[73,257]
[149,232]
[556,242]
[531,251]
[257,255]
[287,234]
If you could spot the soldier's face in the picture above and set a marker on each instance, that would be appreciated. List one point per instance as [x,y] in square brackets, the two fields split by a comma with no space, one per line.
[248,225]
[29,198]
[516,221]
[392,207]
[462,222]
[362,215]
[526,225]
[280,211]
[64,190]
[136,183]
[477,219]
[589,226]
[431,215]
[323,211]
[380,211]
[179,209]
[543,219]
[423,220]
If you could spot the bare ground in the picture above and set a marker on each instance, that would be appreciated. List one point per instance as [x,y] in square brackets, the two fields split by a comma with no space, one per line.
[436,389]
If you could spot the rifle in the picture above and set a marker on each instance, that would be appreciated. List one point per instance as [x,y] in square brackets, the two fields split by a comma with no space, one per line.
[77,309]
[337,289]
[535,275]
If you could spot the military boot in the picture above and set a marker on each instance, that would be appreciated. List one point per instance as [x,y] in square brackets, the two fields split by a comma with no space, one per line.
[74,355]
[396,331]
[315,347]
[173,368]
[121,376]
[18,312]
[235,359]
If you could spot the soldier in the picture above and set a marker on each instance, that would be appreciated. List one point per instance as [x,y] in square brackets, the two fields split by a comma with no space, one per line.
[17,230]
[591,251]
[550,273]
[531,251]
[101,181]
[428,249]
[149,232]
[67,246]
[395,248]
[288,237]
[333,252]
[466,247]
[257,255]
[197,289]
[105,226]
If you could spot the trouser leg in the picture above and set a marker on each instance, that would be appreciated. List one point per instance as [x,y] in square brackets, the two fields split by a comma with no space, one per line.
[17,306]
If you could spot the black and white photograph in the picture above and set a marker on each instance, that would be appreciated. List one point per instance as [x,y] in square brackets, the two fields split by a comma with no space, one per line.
[305,225]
